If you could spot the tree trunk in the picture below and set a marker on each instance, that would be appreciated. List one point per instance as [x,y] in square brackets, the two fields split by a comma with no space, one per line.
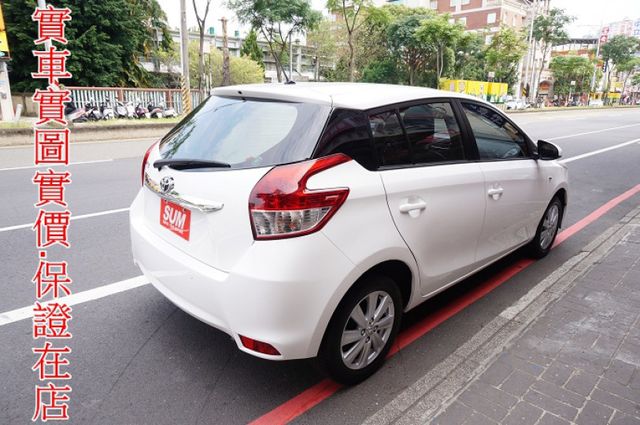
[201,60]
[273,53]
[351,57]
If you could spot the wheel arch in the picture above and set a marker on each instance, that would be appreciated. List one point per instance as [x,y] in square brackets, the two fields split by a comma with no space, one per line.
[561,194]
[396,269]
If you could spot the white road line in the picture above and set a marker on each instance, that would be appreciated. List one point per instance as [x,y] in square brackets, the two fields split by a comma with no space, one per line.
[77,298]
[92,142]
[599,151]
[26,167]
[73,217]
[592,132]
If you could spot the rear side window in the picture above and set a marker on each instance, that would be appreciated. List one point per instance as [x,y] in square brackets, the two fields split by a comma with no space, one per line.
[348,132]
[496,137]
[388,139]
[433,133]
[247,133]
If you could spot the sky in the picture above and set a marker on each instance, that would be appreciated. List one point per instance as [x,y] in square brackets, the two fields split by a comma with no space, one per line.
[590,14]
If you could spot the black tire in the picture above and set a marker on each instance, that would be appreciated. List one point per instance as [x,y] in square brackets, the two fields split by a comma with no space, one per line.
[330,355]
[539,247]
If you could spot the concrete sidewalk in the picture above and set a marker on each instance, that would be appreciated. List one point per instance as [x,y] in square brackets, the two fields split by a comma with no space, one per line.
[566,352]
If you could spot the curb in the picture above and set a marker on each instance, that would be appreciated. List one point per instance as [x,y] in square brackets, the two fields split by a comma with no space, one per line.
[439,388]
[20,137]
[569,109]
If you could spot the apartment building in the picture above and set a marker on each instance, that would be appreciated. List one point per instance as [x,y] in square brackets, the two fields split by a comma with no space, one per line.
[478,15]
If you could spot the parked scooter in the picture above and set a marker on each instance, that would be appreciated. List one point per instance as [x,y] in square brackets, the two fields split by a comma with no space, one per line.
[168,112]
[155,111]
[74,114]
[131,110]
[121,110]
[141,111]
[107,110]
[92,111]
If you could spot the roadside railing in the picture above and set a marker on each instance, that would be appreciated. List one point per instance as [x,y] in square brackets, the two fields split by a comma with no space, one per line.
[170,97]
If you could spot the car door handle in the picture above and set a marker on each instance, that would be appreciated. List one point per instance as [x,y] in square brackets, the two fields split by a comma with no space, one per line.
[412,206]
[495,192]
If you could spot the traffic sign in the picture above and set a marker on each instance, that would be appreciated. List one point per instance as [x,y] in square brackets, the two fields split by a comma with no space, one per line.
[4,44]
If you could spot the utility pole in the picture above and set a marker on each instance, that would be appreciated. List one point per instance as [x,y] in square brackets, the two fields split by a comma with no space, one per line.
[595,65]
[226,78]
[290,57]
[531,50]
[184,57]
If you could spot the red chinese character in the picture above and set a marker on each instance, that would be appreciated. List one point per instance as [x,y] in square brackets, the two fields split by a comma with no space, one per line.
[51,104]
[51,187]
[51,24]
[50,361]
[51,320]
[56,408]
[52,64]
[55,225]
[52,146]
[51,277]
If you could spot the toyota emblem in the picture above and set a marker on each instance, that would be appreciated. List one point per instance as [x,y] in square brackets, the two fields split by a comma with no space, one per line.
[166,184]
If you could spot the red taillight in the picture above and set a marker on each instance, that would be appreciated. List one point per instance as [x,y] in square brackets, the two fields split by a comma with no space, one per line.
[259,346]
[281,206]
[144,162]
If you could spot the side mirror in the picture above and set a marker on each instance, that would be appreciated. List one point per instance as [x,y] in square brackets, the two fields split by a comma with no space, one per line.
[547,151]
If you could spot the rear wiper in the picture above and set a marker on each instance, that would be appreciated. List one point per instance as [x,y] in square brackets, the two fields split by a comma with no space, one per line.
[186,164]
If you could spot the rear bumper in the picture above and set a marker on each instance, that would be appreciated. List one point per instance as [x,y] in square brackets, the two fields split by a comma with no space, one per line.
[279,292]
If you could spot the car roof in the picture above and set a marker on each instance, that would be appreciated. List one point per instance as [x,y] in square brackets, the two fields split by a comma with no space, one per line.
[343,95]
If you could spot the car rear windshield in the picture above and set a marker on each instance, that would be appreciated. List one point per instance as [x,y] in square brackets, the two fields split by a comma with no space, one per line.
[247,133]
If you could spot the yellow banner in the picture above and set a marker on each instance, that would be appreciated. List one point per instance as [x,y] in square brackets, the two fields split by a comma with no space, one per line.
[4,44]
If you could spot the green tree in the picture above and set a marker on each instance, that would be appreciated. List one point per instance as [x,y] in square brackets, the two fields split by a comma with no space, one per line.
[277,21]
[243,70]
[251,49]
[441,38]
[107,40]
[350,12]
[503,54]
[627,69]
[412,53]
[571,68]
[620,50]
[550,30]
[470,58]
[323,40]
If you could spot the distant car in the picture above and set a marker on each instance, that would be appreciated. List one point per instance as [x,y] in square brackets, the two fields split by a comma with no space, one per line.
[304,219]
[516,104]
[596,102]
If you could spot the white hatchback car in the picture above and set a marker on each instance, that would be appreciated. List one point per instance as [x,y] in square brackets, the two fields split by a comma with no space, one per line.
[304,219]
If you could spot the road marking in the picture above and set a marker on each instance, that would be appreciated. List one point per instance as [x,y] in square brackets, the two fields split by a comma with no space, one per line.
[73,217]
[599,151]
[26,167]
[92,142]
[592,132]
[77,298]
[319,392]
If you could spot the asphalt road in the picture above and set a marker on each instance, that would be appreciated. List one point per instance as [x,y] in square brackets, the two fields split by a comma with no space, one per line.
[137,359]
